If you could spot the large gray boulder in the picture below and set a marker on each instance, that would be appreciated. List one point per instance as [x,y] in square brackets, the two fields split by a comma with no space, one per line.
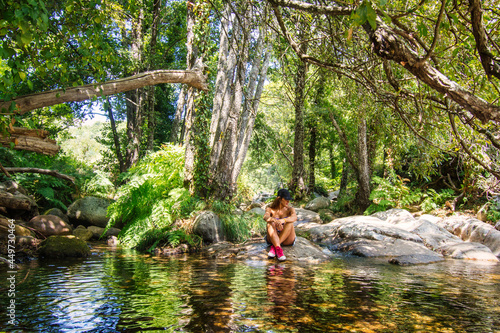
[318,203]
[48,225]
[369,236]
[208,226]
[468,250]
[333,195]
[473,230]
[257,249]
[89,211]
[394,215]
[306,216]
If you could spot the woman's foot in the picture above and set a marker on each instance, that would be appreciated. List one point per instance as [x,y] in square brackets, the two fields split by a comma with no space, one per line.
[272,252]
[280,254]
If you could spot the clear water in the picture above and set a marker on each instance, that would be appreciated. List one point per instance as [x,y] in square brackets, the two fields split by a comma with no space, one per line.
[123,291]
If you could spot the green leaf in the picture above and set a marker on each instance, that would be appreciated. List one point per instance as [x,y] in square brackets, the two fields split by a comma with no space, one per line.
[22,75]
[371,16]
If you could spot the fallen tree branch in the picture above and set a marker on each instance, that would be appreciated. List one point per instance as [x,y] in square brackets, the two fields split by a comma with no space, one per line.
[35,140]
[43,172]
[26,103]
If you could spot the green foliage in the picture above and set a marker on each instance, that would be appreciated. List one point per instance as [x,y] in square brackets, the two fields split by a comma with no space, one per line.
[344,203]
[99,185]
[433,200]
[493,215]
[153,197]
[166,236]
[238,227]
[48,191]
[394,193]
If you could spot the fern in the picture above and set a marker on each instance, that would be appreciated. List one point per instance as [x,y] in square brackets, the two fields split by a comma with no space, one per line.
[153,197]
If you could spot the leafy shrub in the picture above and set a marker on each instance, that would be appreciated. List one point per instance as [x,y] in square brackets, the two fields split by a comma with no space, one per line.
[152,198]
[433,200]
[48,191]
[99,185]
[238,228]
[154,238]
[394,193]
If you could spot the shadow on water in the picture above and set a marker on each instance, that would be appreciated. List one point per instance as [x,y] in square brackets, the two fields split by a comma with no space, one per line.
[123,291]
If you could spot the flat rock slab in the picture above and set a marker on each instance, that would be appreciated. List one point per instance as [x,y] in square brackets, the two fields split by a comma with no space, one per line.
[257,249]
[415,259]
[468,250]
[387,248]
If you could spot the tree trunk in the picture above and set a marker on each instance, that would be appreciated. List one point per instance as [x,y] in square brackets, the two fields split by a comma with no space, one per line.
[238,92]
[344,179]
[52,173]
[297,185]
[179,111]
[27,103]
[116,138]
[312,158]
[333,168]
[134,127]
[193,59]
[363,194]
[150,91]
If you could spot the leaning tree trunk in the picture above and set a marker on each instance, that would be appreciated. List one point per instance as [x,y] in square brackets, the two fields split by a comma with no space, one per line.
[116,138]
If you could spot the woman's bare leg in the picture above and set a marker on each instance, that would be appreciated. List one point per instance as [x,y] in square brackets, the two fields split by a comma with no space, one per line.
[287,235]
[272,235]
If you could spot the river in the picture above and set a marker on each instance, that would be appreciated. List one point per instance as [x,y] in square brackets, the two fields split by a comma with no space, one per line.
[117,290]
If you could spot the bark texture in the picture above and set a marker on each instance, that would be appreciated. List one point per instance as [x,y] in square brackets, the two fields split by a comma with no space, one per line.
[32,140]
[26,103]
[242,71]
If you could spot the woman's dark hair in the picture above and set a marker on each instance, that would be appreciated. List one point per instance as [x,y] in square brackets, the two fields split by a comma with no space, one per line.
[276,203]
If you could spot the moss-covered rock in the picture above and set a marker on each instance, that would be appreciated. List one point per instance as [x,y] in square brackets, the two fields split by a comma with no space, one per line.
[64,246]
[83,233]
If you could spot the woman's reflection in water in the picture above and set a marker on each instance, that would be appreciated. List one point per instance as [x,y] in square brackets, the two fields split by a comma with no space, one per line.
[281,290]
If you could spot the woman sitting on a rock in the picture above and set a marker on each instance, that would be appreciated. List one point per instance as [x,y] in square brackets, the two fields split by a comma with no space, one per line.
[280,218]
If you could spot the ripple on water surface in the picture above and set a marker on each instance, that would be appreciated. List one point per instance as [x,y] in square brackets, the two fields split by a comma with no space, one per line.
[122,291]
